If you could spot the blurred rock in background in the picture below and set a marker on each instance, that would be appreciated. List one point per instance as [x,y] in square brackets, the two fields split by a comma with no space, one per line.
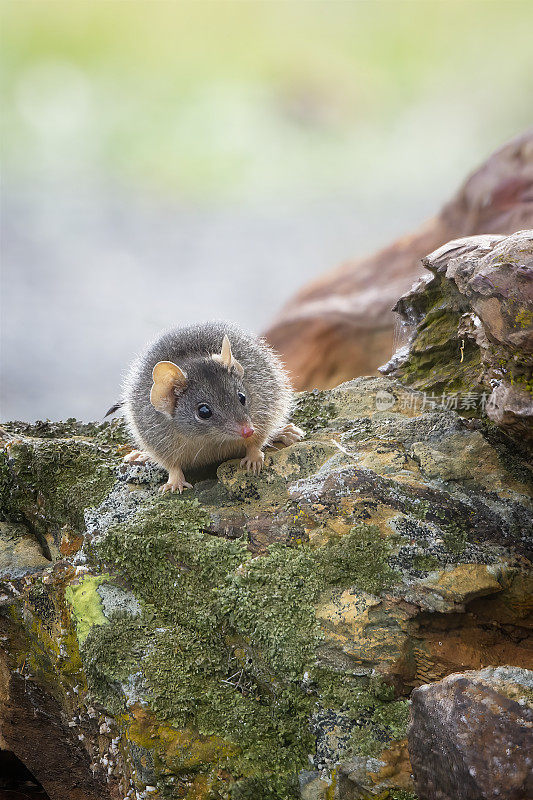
[342,325]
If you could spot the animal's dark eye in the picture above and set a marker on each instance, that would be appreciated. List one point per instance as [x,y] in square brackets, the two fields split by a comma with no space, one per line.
[204,412]
[241,397]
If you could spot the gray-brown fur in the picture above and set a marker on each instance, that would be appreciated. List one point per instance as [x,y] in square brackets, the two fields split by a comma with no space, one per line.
[180,439]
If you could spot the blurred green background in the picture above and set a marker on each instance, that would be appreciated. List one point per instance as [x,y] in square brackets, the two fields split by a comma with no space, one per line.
[251,99]
[166,162]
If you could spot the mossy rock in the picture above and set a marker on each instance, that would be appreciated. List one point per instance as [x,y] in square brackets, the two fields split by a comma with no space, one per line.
[471,328]
[259,637]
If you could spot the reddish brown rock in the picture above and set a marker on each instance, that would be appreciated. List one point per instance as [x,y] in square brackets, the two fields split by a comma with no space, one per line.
[341,325]
[471,736]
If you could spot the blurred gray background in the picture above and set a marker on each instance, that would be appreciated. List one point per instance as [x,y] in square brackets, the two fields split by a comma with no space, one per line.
[166,163]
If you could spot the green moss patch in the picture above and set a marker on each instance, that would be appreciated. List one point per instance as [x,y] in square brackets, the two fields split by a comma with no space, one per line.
[366,708]
[224,639]
[49,482]
[313,411]
[439,359]
[112,653]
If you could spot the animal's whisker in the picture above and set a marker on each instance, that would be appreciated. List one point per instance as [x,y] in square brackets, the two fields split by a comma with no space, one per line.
[202,447]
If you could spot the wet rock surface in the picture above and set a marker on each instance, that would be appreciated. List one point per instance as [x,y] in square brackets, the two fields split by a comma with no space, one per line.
[471,319]
[471,736]
[260,636]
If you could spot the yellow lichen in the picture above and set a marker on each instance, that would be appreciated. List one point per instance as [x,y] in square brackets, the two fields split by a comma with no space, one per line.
[86,604]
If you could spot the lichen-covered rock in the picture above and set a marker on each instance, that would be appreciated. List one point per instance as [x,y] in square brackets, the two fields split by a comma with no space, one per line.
[472,329]
[259,637]
[471,736]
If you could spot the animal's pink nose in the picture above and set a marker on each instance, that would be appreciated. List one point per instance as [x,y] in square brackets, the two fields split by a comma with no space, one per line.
[246,432]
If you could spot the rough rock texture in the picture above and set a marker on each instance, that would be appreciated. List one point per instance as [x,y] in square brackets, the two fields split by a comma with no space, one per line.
[471,736]
[341,325]
[259,637]
[471,319]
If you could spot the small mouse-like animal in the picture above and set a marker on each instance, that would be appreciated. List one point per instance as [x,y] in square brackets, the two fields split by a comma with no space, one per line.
[203,394]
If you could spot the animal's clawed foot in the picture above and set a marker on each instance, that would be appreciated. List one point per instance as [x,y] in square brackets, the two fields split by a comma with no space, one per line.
[176,482]
[137,457]
[175,486]
[289,434]
[253,461]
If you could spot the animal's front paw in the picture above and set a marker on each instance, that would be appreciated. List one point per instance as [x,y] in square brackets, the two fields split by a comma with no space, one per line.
[137,457]
[176,482]
[253,461]
[174,486]
[289,434]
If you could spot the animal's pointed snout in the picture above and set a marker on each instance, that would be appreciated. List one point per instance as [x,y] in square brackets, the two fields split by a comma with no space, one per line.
[247,431]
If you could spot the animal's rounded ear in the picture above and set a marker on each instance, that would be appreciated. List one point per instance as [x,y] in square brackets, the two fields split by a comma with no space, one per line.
[166,372]
[168,381]
[225,357]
